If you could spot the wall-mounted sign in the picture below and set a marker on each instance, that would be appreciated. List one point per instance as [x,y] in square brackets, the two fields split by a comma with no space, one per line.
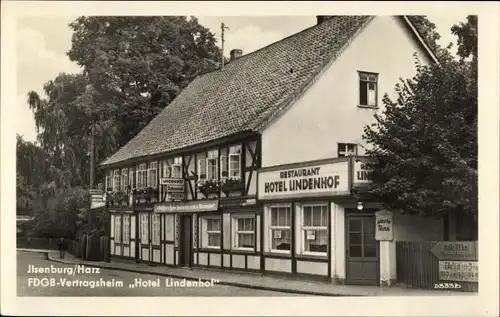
[311,235]
[175,196]
[326,179]
[190,206]
[172,181]
[277,234]
[384,226]
[362,173]
[455,251]
[459,271]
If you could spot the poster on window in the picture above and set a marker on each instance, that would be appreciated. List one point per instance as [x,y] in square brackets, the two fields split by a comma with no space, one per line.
[383,226]
[277,234]
[311,235]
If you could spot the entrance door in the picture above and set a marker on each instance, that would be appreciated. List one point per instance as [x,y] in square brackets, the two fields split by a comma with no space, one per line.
[185,241]
[362,250]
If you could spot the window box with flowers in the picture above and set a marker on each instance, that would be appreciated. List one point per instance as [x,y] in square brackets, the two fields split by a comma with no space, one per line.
[119,198]
[231,184]
[207,187]
[145,195]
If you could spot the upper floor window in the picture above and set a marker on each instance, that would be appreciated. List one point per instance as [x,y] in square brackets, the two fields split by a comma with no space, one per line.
[109,176]
[152,177]
[116,180]
[212,164]
[176,168]
[142,175]
[124,181]
[235,161]
[347,149]
[368,89]
[131,178]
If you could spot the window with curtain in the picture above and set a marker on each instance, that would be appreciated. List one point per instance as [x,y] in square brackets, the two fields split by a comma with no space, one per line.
[126,229]
[124,181]
[212,164]
[152,178]
[245,232]
[368,83]
[280,229]
[235,162]
[315,229]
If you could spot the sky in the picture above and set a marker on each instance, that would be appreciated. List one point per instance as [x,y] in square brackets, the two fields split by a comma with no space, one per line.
[42,43]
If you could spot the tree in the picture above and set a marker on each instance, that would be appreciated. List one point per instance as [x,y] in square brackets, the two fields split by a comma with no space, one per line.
[428,31]
[424,146]
[136,66]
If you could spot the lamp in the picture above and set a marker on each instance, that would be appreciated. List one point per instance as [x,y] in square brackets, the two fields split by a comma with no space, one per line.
[360,206]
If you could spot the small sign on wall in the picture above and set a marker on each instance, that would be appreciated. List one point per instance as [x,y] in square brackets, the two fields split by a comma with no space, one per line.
[311,235]
[384,227]
[460,271]
[277,234]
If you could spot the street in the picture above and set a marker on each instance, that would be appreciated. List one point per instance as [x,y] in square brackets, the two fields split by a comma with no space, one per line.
[37,276]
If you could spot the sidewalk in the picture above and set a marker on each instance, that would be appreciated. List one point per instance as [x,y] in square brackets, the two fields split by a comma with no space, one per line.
[251,280]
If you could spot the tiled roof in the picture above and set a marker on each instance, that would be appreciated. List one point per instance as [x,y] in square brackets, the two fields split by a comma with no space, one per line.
[246,94]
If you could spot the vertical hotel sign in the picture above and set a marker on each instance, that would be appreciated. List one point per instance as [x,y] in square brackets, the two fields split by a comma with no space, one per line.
[362,173]
[308,180]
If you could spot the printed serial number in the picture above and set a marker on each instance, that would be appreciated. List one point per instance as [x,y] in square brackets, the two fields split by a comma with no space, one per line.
[447,285]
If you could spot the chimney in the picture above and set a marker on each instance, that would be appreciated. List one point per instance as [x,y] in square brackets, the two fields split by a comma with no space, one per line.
[322,18]
[235,54]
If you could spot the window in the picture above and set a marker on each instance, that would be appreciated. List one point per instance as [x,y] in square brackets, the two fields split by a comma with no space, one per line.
[141,176]
[152,178]
[131,178]
[281,220]
[118,229]
[144,228]
[315,229]
[176,169]
[126,229]
[116,180]
[109,175]
[347,149]
[235,161]
[211,232]
[224,166]
[155,229]
[245,232]
[202,169]
[212,158]
[124,181]
[368,89]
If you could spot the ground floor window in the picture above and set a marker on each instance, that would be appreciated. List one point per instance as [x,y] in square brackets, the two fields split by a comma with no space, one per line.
[314,229]
[280,228]
[126,229]
[144,228]
[211,231]
[155,229]
[244,237]
[118,228]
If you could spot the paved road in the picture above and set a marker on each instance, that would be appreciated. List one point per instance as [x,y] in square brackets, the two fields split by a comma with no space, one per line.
[101,282]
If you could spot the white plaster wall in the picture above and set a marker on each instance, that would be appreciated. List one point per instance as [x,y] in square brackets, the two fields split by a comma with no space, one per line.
[328,112]
[315,268]
[280,265]
[226,258]
[156,256]
[169,254]
[253,262]
[238,261]
[202,258]
[215,259]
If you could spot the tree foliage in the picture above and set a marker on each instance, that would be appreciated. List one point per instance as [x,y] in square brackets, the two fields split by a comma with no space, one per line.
[424,145]
[132,67]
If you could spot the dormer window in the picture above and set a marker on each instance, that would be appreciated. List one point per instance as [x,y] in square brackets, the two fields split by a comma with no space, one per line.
[368,89]
[347,149]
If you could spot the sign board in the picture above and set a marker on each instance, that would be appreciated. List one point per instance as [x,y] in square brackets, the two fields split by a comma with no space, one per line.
[311,235]
[175,189]
[176,196]
[455,251]
[459,271]
[325,179]
[277,234]
[384,226]
[172,181]
[191,206]
[362,174]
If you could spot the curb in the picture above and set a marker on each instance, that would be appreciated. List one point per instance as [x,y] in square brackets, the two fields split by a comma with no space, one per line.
[226,283]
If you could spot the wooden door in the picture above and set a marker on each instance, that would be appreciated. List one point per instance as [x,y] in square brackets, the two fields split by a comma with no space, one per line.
[362,250]
[185,242]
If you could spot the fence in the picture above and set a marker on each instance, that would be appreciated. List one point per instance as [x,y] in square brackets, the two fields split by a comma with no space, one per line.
[96,249]
[416,266]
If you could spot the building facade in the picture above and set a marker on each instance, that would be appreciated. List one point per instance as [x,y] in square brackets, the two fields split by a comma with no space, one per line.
[259,166]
